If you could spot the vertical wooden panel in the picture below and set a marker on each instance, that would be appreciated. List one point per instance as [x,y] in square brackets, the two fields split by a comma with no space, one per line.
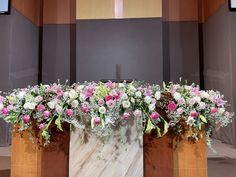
[94,9]
[211,6]
[142,8]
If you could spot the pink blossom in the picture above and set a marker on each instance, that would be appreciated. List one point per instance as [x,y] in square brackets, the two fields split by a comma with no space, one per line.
[154,115]
[2,99]
[60,92]
[192,102]
[194,114]
[181,101]
[85,108]
[171,106]
[46,114]
[148,91]
[180,110]
[97,120]
[40,108]
[110,104]
[109,84]
[26,119]
[10,107]
[38,98]
[108,97]
[42,126]
[117,95]
[5,111]
[214,110]
[101,102]
[69,112]
[126,115]
[89,91]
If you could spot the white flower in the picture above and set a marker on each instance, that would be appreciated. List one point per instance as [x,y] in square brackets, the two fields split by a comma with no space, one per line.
[52,104]
[177,96]
[187,87]
[102,110]
[158,95]
[79,88]
[204,95]
[121,85]
[132,89]
[221,110]
[138,94]
[152,107]
[190,121]
[58,109]
[180,111]
[126,104]
[132,100]
[197,99]
[73,94]
[21,95]
[38,98]
[202,105]
[124,96]
[148,99]
[1,106]
[65,95]
[74,104]
[29,105]
[137,113]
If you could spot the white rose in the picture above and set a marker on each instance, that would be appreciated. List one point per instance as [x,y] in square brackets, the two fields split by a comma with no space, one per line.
[1,106]
[126,104]
[51,104]
[177,96]
[74,104]
[58,109]
[138,94]
[132,100]
[148,99]
[26,105]
[124,96]
[202,105]
[32,106]
[73,94]
[197,99]
[102,110]
[152,107]
[204,95]
[121,85]
[158,95]
[65,95]
[21,95]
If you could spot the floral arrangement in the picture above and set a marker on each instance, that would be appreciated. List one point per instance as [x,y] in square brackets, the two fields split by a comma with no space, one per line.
[184,110]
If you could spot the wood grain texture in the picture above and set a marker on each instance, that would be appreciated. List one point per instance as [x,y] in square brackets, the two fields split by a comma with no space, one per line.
[162,160]
[30,161]
[122,162]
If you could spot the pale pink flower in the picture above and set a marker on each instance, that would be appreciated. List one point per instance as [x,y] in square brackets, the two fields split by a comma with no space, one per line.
[26,118]
[110,104]
[181,101]
[5,111]
[101,102]
[40,108]
[42,126]
[85,107]
[126,115]
[180,111]
[97,120]
[69,112]
[46,114]
[192,102]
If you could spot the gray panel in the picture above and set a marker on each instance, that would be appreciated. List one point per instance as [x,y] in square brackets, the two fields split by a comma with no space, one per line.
[219,64]
[184,51]
[135,44]
[56,53]
[18,57]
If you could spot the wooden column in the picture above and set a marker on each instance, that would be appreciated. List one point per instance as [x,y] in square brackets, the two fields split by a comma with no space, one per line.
[161,159]
[30,161]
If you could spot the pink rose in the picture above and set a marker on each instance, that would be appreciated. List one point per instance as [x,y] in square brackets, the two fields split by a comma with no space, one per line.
[214,110]
[118,95]
[171,106]
[181,101]
[26,119]
[42,126]
[101,102]
[40,108]
[126,115]
[192,102]
[5,111]
[46,114]
[69,112]
[110,104]
[97,120]
[154,115]
[108,97]
[194,114]
[60,92]
[85,108]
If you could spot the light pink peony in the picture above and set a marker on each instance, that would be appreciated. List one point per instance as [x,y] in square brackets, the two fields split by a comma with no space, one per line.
[181,101]
[154,115]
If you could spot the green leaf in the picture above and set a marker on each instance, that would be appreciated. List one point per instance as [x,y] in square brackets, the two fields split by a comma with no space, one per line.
[149,127]
[158,131]
[58,123]
[164,85]
[166,126]
[203,119]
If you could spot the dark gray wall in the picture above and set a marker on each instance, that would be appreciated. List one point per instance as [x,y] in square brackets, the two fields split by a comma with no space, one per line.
[18,57]
[219,62]
[56,52]
[135,44]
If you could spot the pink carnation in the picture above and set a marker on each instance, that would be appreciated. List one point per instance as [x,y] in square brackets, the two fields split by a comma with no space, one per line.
[26,119]
[40,108]
[126,115]
[154,115]
[171,106]
[69,112]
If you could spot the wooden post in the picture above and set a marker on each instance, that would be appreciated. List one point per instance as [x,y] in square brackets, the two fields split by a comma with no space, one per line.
[28,160]
[161,159]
